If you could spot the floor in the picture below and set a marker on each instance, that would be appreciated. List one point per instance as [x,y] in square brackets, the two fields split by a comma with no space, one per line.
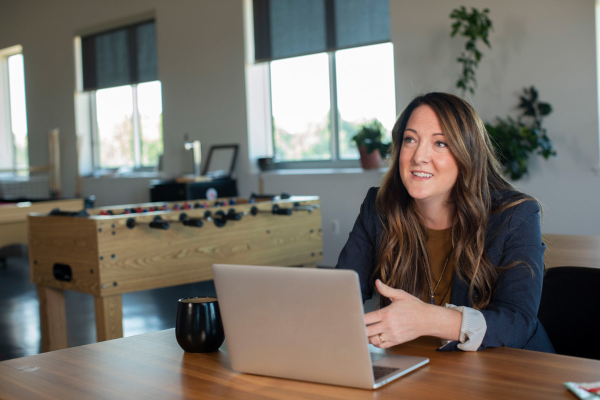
[143,312]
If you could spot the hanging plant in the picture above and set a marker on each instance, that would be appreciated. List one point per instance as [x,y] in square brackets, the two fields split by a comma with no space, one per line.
[514,140]
[475,26]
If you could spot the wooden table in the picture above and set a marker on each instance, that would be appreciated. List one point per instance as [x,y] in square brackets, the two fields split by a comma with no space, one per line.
[152,366]
[572,251]
[13,217]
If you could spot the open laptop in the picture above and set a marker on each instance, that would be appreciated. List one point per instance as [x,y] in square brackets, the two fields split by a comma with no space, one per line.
[304,324]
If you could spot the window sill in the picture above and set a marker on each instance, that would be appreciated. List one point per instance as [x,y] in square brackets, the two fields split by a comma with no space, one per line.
[137,174]
[322,171]
[12,178]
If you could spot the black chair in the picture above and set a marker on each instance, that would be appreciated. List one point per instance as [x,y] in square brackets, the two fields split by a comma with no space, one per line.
[570,310]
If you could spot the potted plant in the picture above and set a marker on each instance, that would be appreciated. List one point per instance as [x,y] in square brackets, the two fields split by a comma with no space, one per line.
[475,26]
[368,141]
[514,140]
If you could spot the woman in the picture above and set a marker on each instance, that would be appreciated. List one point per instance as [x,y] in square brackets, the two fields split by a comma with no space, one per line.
[453,249]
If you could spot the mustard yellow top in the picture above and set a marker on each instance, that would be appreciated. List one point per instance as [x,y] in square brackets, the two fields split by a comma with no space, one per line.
[439,246]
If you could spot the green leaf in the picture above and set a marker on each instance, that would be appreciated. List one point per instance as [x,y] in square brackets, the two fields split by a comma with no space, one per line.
[369,136]
[534,93]
[515,141]
[455,28]
[475,26]
[544,108]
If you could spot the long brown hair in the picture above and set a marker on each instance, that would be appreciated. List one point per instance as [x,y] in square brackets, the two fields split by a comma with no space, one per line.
[403,259]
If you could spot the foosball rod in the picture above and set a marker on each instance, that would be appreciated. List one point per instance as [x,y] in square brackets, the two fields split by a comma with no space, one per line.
[284,210]
[220,218]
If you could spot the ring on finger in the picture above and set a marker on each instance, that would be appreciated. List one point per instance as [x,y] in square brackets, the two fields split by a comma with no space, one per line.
[381,338]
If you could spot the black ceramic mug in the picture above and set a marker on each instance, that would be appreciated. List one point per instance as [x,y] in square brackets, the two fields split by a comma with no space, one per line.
[199,328]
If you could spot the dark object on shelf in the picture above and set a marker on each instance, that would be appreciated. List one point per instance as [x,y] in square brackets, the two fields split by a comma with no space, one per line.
[220,166]
[266,163]
[283,196]
[218,158]
[169,190]
[89,201]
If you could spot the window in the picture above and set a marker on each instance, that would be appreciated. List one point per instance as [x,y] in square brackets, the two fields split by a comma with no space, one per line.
[319,101]
[331,69]
[120,77]
[13,115]
[128,126]
[301,108]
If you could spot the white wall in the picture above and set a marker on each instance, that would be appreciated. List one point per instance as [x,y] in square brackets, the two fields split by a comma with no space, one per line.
[547,43]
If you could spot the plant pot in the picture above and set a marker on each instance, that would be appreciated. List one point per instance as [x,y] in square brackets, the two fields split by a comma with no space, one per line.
[371,160]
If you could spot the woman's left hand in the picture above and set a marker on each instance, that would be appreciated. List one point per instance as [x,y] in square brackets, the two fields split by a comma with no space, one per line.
[403,320]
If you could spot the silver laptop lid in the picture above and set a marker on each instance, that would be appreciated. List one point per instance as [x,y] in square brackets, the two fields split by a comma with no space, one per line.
[297,323]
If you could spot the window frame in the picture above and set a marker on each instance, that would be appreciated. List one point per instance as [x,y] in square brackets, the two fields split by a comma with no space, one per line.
[5,102]
[137,137]
[335,161]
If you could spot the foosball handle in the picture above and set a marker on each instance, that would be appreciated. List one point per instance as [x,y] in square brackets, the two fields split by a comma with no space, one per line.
[159,225]
[254,211]
[281,211]
[303,208]
[220,219]
[233,216]
[193,222]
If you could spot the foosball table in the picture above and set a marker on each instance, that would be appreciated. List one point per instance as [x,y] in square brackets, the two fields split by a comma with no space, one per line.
[13,216]
[109,251]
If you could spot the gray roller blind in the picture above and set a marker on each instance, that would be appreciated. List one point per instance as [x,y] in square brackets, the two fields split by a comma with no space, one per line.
[289,28]
[360,22]
[121,56]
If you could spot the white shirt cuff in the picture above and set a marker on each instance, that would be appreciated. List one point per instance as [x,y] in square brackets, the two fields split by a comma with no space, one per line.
[472,328]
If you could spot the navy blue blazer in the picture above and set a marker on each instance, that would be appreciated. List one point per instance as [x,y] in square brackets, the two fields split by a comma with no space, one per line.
[512,235]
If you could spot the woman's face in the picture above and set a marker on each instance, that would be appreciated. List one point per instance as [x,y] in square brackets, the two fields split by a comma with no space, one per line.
[427,167]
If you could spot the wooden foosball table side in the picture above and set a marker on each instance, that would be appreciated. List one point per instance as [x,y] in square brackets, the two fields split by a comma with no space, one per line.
[107,256]
[13,217]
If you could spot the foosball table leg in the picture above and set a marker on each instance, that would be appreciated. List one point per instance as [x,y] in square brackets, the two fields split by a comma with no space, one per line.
[53,321]
[109,317]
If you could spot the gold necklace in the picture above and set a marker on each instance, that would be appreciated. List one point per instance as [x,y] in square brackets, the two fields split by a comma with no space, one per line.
[439,280]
